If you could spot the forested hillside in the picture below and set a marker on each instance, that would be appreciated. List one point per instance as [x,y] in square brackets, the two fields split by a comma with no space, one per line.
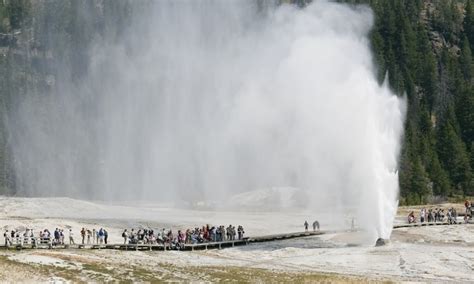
[426,49]
[423,47]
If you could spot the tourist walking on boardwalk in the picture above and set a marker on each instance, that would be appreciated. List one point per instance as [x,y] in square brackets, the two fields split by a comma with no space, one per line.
[241,232]
[422,215]
[56,236]
[83,235]
[32,237]
[430,215]
[411,217]
[71,237]
[101,236]
[89,235]
[467,205]
[306,225]
[61,236]
[125,236]
[7,238]
[133,236]
[106,236]
[229,233]
[316,225]
[26,236]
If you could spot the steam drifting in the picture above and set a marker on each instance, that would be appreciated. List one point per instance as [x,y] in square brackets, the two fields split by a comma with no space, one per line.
[201,100]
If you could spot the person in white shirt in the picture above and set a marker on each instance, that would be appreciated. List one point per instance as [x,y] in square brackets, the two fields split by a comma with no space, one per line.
[71,237]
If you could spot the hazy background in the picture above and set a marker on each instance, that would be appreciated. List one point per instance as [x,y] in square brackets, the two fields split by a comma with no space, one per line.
[197,101]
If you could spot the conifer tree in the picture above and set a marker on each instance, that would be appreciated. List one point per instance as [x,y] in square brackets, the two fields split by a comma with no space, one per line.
[468,23]
[465,60]
[452,152]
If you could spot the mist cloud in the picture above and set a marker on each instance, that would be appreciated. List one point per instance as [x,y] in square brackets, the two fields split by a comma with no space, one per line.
[201,100]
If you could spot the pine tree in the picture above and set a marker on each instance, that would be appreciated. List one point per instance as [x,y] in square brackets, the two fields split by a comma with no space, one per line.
[441,183]
[465,60]
[420,182]
[468,23]
[453,155]
[428,74]
[465,115]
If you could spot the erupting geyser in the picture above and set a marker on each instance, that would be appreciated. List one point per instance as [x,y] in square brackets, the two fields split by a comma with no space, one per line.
[199,100]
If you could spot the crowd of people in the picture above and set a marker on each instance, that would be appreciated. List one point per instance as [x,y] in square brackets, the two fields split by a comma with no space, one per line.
[434,215]
[449,215]
[58,237]
[190,236]
[95,237]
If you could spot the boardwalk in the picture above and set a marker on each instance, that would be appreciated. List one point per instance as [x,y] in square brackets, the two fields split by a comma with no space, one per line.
[191,247]
[205,246]
[429,224]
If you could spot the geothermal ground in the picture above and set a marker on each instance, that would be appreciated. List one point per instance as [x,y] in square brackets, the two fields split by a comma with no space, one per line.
[435,253]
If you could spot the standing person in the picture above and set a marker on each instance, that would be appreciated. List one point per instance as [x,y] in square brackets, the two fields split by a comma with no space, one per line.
[71,237]
[422,215]
[316,225]
[240,231]
[89,234]
[83,235]
[7,238]
[32,238]
[306,225]
[449,215]
[223,233]
[94,234]
[227,233]
[106,236]
[125,236]
[56,236]
[61,236]
[132,236]
[26,236]
[101,236]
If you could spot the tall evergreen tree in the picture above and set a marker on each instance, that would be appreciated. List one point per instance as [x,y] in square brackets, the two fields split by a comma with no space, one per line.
[468,23]
[453,154]
[465,60]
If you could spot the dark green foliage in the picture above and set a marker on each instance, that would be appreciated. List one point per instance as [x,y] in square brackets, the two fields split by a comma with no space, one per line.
[465,60]
[452,152]
[447,19]
[426,50]
[17,12]
[469,22]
